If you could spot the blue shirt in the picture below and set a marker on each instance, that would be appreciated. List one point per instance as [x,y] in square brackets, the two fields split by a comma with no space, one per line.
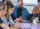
[25,12]
[11,22]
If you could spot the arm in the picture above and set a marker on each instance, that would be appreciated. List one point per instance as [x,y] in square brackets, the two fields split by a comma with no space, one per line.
[12,23]
[27,13]
[5,26]
[17,20]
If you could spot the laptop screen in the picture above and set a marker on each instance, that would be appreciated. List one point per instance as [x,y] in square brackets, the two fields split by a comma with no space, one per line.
[31,15]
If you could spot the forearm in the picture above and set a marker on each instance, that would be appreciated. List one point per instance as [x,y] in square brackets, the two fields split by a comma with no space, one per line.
[5,26]
[15,27]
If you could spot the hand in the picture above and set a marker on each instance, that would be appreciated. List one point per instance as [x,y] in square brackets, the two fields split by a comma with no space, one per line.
[17,20]
[21,18]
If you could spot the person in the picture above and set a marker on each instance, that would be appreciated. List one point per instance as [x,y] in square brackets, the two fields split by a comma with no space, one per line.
[3,11]
[7,18]
[36,9]
[20,11]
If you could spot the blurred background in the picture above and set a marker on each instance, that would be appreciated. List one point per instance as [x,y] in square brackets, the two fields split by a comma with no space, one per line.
[29,4]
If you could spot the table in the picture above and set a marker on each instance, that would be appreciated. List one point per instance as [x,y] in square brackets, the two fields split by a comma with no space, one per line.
[28,25]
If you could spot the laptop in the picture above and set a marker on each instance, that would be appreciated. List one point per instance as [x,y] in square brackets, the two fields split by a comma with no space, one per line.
[31,16]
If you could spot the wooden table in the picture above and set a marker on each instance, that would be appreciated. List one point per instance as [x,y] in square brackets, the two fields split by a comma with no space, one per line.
[28,25]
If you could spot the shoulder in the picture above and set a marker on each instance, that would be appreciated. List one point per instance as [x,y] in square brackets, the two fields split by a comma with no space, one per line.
[4,17]
[1,22]
[25,9]
[15,7]
[10,17]
[36,7]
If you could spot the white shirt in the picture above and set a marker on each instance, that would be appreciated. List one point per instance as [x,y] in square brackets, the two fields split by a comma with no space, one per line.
[6,22]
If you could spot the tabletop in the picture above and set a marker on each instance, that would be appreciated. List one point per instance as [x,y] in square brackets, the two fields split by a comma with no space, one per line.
[28,25]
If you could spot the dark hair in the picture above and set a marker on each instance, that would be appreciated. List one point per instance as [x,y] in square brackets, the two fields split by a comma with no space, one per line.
[19,0]
[2,6]
[38,0]
[9,5]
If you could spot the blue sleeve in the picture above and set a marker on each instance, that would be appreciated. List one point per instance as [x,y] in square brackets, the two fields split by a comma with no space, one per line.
[27,13]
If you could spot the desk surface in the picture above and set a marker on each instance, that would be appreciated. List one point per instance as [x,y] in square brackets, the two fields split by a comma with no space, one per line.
[28,25]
